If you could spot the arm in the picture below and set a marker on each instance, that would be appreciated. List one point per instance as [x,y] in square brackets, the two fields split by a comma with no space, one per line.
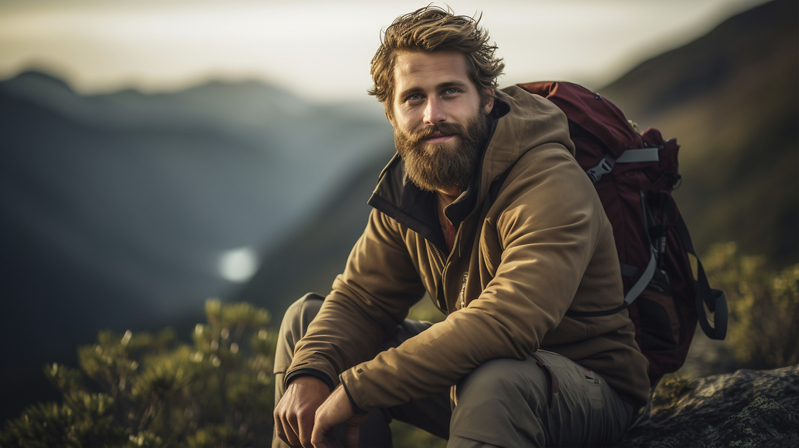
[350,328]
[547,232]
[380,283]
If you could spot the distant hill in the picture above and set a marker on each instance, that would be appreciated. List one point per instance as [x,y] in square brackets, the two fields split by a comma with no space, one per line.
[116,209]
[310,257]
[732,100]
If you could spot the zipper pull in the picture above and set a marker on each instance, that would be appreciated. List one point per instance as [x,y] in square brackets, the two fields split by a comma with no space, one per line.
[463,290]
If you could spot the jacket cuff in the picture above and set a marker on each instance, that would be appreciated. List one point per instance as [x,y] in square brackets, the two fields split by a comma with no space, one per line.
[355,407]
[309,372]
[349,381]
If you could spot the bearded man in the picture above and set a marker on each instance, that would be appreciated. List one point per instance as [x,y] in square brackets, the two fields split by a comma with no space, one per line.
[484,208]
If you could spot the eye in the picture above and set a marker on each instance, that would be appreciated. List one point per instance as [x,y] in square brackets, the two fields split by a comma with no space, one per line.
[414,98]
[452,91]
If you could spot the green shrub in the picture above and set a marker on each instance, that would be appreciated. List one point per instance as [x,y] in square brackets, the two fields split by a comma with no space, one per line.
[149,390]
[763,331]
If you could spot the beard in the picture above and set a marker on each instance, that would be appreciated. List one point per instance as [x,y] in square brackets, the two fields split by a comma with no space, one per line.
[442,166]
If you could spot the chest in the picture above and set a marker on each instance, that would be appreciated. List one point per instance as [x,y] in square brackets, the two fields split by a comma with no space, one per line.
[456,277]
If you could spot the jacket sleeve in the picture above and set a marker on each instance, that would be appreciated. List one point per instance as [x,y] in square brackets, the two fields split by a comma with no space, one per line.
[547,231]
[379,284]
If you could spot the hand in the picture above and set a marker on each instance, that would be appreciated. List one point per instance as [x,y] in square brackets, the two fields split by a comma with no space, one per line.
[335,410]
[294,414]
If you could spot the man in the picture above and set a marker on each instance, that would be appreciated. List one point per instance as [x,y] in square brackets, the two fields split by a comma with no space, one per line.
[485,209]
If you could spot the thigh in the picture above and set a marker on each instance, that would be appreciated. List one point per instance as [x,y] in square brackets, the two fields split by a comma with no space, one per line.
[506,402]
[586,411]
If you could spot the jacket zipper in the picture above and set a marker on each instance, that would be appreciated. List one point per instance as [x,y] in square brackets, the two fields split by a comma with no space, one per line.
[442,301]
[463,290]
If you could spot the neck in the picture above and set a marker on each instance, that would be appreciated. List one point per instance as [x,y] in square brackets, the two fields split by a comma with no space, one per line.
[448,196]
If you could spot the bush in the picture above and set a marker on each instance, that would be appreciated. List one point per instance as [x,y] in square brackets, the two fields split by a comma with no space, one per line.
[763,330]
[149,390]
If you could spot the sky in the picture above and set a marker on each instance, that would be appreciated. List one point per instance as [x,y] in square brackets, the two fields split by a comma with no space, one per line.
[320,50]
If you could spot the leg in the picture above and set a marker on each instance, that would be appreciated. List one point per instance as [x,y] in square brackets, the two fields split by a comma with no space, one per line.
[504,403]
[431,414]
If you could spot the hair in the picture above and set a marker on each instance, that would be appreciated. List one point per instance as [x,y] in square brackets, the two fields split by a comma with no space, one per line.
[431,29]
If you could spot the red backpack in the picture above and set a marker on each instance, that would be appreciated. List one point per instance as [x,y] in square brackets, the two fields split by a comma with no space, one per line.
[634,175]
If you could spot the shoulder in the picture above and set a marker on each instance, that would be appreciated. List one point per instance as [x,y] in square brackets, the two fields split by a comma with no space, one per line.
[547,186]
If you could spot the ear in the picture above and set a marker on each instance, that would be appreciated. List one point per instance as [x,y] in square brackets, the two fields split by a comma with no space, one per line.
[490,101]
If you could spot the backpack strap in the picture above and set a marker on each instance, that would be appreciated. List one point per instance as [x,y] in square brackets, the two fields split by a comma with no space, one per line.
[708,300]
[628,156]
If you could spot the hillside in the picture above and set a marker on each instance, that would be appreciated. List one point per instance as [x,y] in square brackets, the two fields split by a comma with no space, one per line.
[732,100]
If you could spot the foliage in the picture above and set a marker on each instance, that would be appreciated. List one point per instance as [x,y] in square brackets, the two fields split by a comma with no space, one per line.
[405,435]
[149,390]
[763,330]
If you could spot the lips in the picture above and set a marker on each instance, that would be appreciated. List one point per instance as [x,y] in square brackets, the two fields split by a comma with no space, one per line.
[437,137]
[438,133]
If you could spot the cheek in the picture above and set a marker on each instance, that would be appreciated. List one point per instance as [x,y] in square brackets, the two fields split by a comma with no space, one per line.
[403,124]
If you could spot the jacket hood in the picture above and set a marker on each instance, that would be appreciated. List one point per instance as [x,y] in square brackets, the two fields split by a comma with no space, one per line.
[531,121]
[519,122]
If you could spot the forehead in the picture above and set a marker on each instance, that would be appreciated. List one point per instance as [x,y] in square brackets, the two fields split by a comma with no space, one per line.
[419,69]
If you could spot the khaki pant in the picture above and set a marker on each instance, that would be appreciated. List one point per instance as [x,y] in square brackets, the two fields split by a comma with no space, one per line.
[503,402]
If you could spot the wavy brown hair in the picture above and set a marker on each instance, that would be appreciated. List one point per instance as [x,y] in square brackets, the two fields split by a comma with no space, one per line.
[431,29]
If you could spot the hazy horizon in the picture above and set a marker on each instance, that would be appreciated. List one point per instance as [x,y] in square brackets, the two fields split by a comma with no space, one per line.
[321,51]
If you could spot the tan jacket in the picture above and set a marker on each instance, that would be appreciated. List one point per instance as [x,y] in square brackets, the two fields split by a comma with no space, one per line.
[541,247]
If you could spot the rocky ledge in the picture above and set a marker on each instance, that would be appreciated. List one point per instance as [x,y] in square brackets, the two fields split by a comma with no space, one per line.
[742,409]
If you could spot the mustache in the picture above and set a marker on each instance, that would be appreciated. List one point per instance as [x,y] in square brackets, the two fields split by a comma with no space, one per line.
[443,128]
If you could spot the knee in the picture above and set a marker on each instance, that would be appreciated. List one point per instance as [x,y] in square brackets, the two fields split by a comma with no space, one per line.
[299,315]
[500,379]
[495,405]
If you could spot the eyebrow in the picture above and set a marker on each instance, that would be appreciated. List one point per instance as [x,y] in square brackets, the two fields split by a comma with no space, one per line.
[440,86]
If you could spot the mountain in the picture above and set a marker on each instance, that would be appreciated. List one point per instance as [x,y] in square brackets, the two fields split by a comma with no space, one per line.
[310,258]
[117,209]
[731,98]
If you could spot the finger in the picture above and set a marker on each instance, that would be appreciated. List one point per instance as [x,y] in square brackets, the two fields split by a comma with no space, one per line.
[305,427]
[291,432]
[280,432]
[319,436]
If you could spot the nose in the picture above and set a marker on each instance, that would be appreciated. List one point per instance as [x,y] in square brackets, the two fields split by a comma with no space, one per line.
[433,113]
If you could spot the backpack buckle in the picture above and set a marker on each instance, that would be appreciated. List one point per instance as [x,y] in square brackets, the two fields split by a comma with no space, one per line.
[603,167]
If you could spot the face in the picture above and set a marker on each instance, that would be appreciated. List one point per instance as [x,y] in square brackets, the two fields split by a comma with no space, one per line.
[439,123]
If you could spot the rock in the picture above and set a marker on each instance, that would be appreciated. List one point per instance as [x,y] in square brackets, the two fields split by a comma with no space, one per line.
[743,409]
